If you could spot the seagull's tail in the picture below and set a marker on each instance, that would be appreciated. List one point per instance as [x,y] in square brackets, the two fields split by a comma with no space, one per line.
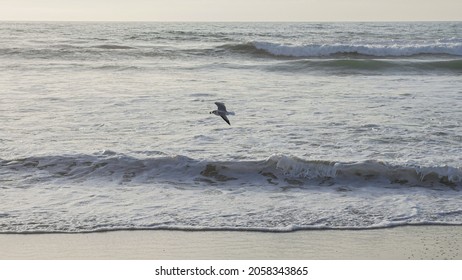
[231,113]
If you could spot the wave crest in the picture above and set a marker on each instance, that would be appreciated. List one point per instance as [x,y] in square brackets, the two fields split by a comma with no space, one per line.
[369,171]
[277,170]
[322,50]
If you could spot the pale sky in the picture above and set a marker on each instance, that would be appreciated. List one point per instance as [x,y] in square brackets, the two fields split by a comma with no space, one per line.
[231,10]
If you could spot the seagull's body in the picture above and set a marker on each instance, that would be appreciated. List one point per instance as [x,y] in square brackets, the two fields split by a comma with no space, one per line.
[222,111]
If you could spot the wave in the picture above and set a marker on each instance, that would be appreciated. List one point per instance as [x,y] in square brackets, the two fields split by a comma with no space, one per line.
[278,50]
[443,56]
[67,52]
[323,50]
[114,47]
[277,170]
[353,58]
[403,65]
[282,193]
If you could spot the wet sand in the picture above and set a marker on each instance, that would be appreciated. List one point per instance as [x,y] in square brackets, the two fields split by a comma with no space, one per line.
[400,243]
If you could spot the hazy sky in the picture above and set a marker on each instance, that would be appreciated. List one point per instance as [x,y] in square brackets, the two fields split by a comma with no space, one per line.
[231,10]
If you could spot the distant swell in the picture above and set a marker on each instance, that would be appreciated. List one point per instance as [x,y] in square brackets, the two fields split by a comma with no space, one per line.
[114,47]
[359,64]
[277,170]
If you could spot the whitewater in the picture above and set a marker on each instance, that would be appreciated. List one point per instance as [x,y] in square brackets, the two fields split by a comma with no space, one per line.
[106,126]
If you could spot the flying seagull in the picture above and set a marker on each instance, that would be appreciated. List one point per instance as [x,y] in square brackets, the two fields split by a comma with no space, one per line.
[222,111]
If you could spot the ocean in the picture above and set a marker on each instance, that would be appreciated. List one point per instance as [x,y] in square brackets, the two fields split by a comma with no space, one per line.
[106,126]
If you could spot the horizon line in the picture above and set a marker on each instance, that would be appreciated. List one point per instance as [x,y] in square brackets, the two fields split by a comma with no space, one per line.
[232,21]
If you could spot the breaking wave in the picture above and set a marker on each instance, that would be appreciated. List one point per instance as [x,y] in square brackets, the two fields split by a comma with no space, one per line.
[277,170]
[279,194]
[444,57]
[323,50]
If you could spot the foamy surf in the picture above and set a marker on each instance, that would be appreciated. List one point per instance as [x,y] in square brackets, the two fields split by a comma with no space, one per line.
[86,193]
[111,191]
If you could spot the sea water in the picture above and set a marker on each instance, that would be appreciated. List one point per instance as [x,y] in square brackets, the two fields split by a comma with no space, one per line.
[106,126]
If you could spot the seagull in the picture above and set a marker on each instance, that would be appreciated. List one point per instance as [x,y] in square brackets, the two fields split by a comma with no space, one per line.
[222,111]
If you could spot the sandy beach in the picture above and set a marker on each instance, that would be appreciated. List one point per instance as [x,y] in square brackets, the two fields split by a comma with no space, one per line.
[400,243]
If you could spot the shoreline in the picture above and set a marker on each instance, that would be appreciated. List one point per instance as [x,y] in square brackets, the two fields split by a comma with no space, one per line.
[396,243]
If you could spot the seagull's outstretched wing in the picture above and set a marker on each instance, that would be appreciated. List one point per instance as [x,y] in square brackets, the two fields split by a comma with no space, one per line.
[221,106]
[225,118]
